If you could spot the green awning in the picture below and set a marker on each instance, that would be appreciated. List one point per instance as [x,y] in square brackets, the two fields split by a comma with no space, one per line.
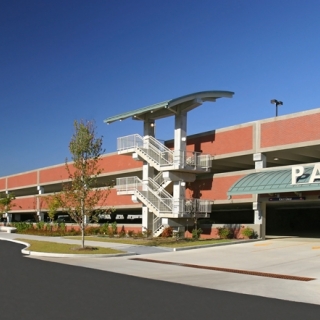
[170,107]
[273,182]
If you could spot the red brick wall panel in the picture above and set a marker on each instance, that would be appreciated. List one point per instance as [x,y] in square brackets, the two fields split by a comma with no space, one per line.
[2,184]
[115,200]
[221,185]
[107,164]
[119,163]
[22,180]
[214,189]
[28,203]
[288,131]
[52,174]
[219,143]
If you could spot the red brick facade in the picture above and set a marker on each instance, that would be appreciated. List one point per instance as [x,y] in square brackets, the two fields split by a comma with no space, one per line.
[223,142]
[22,180]
[243,139]
[289,131]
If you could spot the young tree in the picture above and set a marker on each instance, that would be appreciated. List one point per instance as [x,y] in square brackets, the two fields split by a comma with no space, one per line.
[6,200]
[82,197]
[53,204]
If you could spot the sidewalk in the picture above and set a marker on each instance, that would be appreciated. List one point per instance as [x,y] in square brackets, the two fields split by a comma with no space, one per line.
[291,257]
[119,246]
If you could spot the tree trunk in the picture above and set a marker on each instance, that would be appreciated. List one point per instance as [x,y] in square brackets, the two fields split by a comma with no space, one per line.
[82,234]
[82,223]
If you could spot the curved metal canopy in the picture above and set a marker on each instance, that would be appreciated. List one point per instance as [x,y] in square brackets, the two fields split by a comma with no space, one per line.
[273,182]
[171,107]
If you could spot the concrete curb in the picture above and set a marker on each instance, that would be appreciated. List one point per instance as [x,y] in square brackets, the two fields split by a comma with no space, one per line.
[65,255]
[216,245]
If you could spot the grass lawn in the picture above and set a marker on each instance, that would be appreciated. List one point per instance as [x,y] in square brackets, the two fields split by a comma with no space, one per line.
[156,242]
[53,247]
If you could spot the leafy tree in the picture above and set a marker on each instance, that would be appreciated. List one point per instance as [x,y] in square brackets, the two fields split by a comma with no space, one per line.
[191,207]
[82,197]
[53,203]
[6,202]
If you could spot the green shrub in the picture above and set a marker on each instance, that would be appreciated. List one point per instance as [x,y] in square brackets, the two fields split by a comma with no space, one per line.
[110,233]
[48,226]
[225,233]
[147,233]
[92,231]
[114,227]
[104,228]
[130,233]
[139,234]
[196,233]
[121,234]
[22,226]
[73,232]
[40,225]
[248,232]
[62,226]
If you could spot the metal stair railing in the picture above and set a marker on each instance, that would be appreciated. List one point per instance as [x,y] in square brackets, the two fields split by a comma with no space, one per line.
[197,206]
[157,224]
[166,154]
[156,150]
[129,142]
[133,185]
[161,202]
[128,184]
[159,179]
[159,190]
[155,203]
[164,158]
[150,154]
[157,144]
[162,155]
[197,159]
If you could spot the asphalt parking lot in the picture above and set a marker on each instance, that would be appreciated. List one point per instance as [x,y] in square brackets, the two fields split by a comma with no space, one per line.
[281,268]
[33,288]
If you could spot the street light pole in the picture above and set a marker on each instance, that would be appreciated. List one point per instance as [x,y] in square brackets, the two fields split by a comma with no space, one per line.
[277,103]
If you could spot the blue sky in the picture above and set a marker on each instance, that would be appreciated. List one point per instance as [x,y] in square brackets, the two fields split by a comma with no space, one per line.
[69,60]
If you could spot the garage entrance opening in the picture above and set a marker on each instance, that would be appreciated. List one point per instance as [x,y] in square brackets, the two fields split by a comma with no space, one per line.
[293,221]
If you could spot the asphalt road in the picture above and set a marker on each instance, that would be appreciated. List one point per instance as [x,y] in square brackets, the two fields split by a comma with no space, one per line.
[36,289]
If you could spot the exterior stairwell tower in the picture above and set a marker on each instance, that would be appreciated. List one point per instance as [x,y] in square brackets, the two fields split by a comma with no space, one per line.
[162,166]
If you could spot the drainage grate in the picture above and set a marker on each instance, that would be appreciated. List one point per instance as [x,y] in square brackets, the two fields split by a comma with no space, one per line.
[251,273]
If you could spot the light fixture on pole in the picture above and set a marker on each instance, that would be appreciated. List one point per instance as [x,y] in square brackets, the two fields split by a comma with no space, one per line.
[277,103]
[153,126]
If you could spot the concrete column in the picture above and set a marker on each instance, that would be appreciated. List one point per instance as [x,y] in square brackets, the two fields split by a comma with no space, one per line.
[149,127]
[260,217]
[7,214]
[40,190]
[147,171]
[260,160]
[86,219]
[180,131]
[178,195]
[9,217]
[180,137]
[40,216]
[39,213]
[180,146]
[147,219]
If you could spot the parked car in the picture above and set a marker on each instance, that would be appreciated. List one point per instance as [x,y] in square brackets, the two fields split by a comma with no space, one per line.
[64,218]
